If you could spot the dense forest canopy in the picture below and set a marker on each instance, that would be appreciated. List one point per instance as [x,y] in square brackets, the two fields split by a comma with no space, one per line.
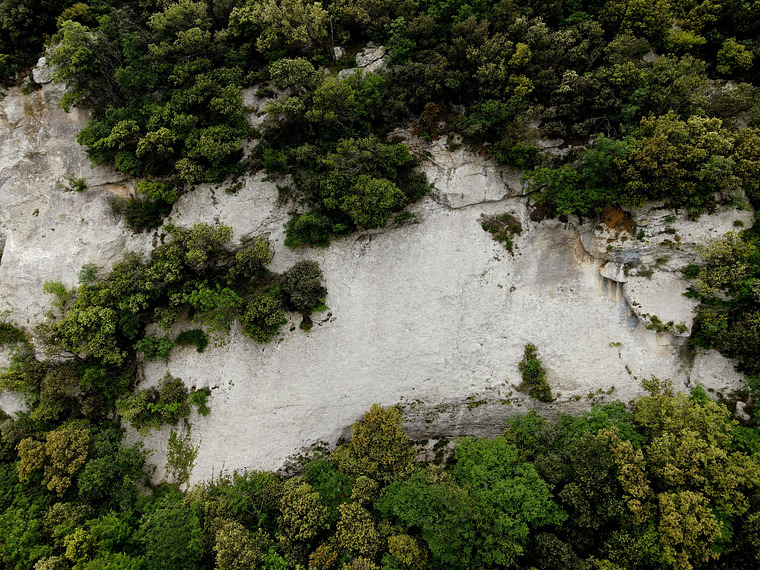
[653,100]
[646,100]
[673,482]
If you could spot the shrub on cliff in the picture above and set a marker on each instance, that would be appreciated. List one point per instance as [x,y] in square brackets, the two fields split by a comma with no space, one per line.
[264,315]
[153,407]
[534,375]
[303,286]
[379,448]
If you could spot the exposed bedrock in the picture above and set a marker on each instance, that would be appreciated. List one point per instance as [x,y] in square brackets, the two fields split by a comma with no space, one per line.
[432,315]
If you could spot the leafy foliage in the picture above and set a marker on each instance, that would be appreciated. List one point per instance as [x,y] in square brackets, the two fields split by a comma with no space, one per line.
[264,315]
[197,271]
[234,547]
[534,375]
[180,458]
[170,534]
[361,184]
[379,449]
[727,285]
[503,228]
[659,484]
[10,334]
[303,286]
[154,407]
[165,86]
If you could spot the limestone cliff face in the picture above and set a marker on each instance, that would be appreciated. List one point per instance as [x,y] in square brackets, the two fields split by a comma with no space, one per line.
[432,315]
[48,232]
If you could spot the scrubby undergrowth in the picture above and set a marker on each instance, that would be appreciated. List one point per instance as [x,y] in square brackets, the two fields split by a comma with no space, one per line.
[607,489]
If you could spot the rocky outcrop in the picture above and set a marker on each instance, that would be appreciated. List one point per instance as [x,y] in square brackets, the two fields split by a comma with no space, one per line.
[645,251]
[42,72]
[49,230]
[657,237]
[370,59]
[462,178]
[432,315]
[659,301]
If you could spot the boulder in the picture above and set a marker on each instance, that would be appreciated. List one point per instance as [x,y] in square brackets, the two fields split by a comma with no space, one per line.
[42,73]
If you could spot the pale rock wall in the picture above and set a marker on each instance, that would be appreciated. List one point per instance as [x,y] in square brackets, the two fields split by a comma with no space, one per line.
[368,60]
[656,240]
[461,178]
[49,232]
[433,315]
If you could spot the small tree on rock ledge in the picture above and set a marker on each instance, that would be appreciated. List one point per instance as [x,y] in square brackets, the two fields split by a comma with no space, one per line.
[534,375]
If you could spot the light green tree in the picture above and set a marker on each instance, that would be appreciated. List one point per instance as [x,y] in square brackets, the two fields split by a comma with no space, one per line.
[733,57]
[62,455]
[234,548]
[356,533]
[379,448]
[295,26]
[303,516]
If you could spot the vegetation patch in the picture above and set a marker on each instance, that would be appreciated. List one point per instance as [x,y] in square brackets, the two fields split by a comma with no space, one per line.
[195,337]
[656,324]
[503,228]
[371,504]
[196,272]
[180,458]
[199,399]
[730,308]
[360,184]
[97,330]
[164,84]
[152,408]
[534,375]
[10,334]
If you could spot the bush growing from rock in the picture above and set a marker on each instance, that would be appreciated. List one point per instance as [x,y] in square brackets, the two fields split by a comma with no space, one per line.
[360,184]
[534,375]
[311,228]
[217,306]
[728,319]
[196,337]
[154,190]
[264,315]
[502,228]
[251,259]
[180,458]
[10,334]
[141,214]
[172,400]
[134,408]
[152,408]
[199,399]
[153,347]
[303,286]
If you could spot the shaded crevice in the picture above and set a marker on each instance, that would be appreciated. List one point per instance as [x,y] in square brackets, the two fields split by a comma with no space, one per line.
[615,291]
